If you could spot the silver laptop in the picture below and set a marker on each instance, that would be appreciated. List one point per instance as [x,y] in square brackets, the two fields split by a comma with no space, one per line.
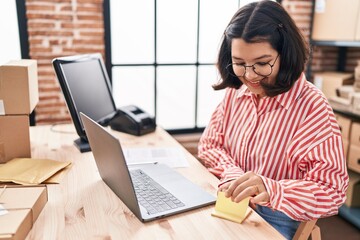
[150,191]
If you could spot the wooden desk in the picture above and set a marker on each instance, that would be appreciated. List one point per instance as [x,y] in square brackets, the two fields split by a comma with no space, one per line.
[83,207]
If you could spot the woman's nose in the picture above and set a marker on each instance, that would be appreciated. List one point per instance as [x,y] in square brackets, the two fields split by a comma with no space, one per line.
[250,74]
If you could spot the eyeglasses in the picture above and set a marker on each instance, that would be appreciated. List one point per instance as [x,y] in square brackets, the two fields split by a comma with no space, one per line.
[261,69]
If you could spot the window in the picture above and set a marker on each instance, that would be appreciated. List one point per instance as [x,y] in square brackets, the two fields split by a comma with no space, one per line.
[14,44]
[163,55]
[10,42]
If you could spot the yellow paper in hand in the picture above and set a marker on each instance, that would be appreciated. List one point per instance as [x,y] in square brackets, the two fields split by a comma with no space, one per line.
[29,171]
[227,209]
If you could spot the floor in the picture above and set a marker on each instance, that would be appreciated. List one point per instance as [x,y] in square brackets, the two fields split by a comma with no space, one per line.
[337,228]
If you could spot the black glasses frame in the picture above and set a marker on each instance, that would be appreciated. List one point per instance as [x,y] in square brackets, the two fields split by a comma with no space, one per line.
[230,68]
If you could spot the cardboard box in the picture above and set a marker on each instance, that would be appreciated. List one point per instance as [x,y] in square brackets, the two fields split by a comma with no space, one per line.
[14,137]
[345,126]
[341,104]
[357,68]
[335,20]
[346,144]
[355,134]
[329,82]
[354,158]
[345,91]
[19,91]
[356,102]
[352,194]
[15,225]
[24,205]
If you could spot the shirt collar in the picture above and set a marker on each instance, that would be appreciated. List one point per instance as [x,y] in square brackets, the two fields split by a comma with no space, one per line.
[286,98]
[243,91]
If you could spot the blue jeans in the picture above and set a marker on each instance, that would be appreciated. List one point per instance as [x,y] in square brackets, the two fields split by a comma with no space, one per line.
[285,225]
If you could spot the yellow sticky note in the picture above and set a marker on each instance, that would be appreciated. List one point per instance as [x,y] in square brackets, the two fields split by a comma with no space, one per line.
[227,209]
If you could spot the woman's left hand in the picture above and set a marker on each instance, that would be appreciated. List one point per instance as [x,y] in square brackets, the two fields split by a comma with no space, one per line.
[248,185]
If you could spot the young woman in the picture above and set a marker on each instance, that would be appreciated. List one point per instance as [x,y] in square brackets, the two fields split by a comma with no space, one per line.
[274,136]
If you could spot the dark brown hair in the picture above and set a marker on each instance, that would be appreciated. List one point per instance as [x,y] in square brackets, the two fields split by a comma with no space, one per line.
[265,21]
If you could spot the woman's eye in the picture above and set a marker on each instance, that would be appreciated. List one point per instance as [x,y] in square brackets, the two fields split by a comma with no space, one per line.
[261,63]
[239,64]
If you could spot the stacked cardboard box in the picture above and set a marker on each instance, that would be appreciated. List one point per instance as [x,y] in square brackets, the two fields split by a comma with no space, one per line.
[336,20]
[341,89]
[329,82]
[23,206]
[356,93]
[352,194]
[345,127]
[18,98]
[356,103]
[353,198]
[354,150]
[357,77]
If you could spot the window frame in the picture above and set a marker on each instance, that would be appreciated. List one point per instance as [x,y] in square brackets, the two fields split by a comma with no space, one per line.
[24,40]
[109,64]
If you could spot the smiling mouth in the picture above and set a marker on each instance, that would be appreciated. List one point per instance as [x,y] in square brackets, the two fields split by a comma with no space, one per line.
[254,82]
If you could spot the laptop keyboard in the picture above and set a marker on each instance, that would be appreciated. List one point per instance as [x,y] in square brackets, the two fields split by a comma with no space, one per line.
[153,197]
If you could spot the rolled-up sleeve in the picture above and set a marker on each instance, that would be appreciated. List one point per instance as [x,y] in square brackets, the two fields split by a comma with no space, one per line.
[322,189]
[212,151]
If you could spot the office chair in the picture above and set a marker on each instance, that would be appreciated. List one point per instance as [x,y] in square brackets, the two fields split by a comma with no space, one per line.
[307,229]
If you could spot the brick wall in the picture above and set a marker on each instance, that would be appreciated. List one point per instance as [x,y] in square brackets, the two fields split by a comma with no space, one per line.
[67,27]
[59,28]
[324,58]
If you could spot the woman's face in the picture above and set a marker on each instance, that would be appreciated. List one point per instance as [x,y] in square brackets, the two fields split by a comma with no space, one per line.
[261,60]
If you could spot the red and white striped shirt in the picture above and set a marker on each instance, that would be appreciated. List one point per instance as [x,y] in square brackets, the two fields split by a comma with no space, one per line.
[291,140]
